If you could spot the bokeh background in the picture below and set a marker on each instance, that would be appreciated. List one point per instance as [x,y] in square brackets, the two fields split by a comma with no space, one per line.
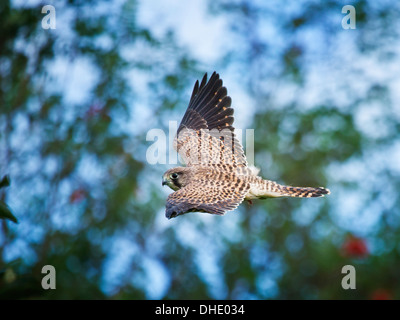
[77,103]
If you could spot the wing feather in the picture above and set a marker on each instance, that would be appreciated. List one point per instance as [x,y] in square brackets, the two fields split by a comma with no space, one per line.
[207,127]
[201,196]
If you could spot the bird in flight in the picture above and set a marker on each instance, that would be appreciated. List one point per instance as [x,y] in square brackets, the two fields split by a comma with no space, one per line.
[216,178]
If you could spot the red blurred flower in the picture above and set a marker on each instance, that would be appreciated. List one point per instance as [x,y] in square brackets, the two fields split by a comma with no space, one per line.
[96,110]
[355,247]
[77,196]
[93,111]
[381,294]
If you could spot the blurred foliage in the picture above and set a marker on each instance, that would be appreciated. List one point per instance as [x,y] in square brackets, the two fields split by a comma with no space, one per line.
[89,204]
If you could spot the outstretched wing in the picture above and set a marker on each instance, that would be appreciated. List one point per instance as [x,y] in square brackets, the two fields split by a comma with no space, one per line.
[209,106]
[205,196]
[206,135]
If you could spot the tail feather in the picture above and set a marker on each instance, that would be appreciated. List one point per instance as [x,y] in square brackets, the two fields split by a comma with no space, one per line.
[262,189]
[303,192]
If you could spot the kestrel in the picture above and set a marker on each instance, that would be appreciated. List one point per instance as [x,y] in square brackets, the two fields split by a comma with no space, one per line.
[216,178]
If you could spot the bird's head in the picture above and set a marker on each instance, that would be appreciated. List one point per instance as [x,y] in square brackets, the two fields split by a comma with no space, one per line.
[176,178]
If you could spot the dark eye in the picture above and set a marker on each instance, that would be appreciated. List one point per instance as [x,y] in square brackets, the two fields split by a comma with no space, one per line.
[174,176]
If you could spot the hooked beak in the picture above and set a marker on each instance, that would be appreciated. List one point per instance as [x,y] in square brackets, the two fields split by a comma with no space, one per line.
[164,182]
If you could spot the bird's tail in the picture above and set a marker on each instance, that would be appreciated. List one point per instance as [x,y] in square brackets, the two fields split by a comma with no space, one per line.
[304,192]
[269,189]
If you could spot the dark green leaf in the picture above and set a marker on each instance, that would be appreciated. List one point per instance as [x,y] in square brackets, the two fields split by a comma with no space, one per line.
[5,213]
[5,182]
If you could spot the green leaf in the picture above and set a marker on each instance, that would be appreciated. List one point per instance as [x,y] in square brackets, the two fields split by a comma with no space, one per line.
[5,213]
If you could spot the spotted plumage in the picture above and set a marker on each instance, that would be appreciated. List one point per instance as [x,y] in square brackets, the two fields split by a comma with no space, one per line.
[216,178]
